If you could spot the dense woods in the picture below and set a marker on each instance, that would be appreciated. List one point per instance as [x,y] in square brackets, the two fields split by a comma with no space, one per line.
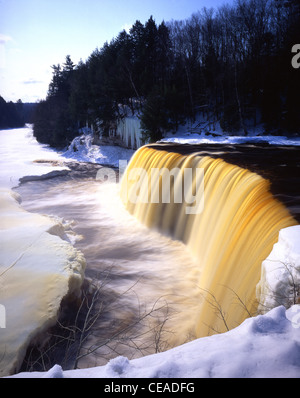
[233,65]
[14,115]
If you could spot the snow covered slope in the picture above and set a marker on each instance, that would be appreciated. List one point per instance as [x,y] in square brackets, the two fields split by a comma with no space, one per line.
[38,268]
[266,346]
[280,276]
[82,149]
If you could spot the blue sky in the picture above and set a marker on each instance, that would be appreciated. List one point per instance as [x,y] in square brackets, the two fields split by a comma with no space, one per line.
[35,34]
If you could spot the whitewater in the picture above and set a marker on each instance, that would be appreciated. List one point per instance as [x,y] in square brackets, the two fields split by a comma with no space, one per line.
[143,272]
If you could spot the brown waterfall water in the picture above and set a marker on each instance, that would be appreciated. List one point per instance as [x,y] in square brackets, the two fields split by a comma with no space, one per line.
[232,233]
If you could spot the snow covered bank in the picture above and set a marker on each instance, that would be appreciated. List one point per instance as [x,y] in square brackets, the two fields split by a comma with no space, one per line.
[280,277]
[83,150]
[204,131]
[188,138]
[265,346]
[38,265]
[38,268]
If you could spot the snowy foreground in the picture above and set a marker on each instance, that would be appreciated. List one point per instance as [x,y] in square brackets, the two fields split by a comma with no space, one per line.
[38,268]
[266,346]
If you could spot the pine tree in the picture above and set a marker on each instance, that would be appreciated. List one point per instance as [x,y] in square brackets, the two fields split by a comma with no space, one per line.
[154,120]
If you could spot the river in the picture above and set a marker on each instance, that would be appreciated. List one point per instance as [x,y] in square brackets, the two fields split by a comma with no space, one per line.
[146,283]
[141,292]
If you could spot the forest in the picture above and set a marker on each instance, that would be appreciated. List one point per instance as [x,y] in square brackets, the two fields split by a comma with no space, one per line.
[232,65]
[15,115]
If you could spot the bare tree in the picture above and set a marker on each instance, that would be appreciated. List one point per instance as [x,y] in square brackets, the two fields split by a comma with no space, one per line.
[88,335]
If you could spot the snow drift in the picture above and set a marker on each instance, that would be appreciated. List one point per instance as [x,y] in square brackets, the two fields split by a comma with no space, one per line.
[82,149]
[266,346]
[38,268]
[280,275]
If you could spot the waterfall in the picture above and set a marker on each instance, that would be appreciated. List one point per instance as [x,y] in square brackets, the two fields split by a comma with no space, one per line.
[226,216]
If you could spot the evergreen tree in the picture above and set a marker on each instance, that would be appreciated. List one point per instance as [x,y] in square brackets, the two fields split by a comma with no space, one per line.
[11,114]
[79,99]
[53,122]
[154,120]
[137,34]
[232,64]
[150,55]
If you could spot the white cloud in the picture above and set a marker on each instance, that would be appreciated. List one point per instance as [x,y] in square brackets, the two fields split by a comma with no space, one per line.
[32,81]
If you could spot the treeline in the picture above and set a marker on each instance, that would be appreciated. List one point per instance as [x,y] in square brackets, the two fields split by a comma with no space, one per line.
[15,115]
[232,65]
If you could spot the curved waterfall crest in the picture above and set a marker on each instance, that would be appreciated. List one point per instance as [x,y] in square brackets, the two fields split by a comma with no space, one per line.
[230,230]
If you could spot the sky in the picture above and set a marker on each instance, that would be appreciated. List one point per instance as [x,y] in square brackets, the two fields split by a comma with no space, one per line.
[36,34]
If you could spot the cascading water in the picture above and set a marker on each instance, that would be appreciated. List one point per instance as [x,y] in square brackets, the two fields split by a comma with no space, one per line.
[230,233]
[139,270]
